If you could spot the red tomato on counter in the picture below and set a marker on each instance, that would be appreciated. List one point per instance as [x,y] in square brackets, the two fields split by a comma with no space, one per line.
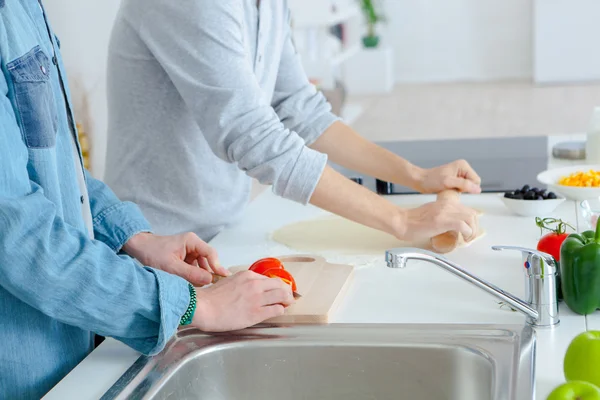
[550,243]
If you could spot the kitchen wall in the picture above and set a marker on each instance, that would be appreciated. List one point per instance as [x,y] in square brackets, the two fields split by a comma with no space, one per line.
[433,40]
[460,40]
[83,27]
[566,41]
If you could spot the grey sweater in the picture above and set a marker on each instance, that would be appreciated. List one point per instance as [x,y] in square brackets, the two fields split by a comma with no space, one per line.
[203,95]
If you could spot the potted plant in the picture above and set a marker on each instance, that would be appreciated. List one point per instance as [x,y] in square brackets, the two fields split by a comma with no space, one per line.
[372,18]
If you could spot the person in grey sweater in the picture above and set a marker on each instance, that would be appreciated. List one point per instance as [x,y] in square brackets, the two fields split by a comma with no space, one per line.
[204,95]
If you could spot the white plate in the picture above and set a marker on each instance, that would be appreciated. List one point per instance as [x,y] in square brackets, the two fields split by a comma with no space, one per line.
[532,208]
[551,177]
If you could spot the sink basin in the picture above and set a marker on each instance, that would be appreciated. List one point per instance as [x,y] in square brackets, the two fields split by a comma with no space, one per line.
[339,361]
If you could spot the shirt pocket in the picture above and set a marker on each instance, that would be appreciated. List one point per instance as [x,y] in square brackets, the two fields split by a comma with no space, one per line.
[34,98]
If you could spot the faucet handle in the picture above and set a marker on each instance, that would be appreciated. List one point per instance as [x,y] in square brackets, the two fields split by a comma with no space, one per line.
[532,259]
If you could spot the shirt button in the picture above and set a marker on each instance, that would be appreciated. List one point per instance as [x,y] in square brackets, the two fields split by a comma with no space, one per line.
[54,60]
[259,57]
[81,199]
[43,70]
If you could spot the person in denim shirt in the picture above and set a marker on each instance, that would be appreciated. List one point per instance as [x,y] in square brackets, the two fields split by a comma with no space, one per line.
[67,243]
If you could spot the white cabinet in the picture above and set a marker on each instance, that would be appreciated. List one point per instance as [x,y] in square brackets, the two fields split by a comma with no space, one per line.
[566,41]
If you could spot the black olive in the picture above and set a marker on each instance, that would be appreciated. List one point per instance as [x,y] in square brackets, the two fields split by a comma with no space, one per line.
[525,189]
[518,196]
[508,195]
[541,192]
[551,195]
[530,195]
[534,189]
[539,197]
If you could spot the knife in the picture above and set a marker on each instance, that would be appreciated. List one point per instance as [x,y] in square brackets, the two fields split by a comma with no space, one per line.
[216,278]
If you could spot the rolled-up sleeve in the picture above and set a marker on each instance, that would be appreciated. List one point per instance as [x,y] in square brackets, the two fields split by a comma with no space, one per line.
[200,45]
[300,106]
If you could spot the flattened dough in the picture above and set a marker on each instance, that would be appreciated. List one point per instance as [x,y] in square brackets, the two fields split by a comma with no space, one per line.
[337,234]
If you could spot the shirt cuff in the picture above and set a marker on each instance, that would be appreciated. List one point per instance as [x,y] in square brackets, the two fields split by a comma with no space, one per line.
[304,177]
[318,127]
[173,300]
[118,223]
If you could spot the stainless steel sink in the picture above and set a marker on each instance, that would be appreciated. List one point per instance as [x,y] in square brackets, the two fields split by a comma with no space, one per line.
[340,361]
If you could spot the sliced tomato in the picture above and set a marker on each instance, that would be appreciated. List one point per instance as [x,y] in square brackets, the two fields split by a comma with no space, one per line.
[283,275]
[265,264]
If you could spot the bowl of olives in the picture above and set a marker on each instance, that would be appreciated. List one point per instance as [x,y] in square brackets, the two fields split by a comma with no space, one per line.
[531,202]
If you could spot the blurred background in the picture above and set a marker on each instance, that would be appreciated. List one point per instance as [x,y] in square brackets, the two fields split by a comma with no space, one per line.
[401,70]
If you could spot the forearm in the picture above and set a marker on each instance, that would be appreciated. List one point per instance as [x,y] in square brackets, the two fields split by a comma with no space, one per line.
[347,148]
[339,195]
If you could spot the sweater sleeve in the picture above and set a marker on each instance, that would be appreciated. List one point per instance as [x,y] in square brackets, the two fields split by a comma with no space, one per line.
[200,45]
[300,106]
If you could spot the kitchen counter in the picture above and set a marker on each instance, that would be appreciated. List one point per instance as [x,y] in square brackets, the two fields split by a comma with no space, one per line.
[420,293]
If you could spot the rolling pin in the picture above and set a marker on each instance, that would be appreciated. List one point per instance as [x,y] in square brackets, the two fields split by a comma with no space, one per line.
[446,242]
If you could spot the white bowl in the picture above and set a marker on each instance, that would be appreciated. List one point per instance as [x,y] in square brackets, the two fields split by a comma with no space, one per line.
[551,177]
[532,208]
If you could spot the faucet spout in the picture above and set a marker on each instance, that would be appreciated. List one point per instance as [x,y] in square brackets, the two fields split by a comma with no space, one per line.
[537,314]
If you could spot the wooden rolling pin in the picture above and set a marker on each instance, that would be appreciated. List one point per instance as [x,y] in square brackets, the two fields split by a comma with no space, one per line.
[446,242]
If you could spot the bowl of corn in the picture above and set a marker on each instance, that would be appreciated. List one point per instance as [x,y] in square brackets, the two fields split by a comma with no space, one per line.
[577,182]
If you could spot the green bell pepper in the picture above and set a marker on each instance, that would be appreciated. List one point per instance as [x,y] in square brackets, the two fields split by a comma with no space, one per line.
[580,271]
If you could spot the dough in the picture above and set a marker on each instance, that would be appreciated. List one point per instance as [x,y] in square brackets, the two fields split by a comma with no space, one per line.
[337,234]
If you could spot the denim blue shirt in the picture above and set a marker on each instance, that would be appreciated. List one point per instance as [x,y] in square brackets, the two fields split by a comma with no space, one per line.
[59,280]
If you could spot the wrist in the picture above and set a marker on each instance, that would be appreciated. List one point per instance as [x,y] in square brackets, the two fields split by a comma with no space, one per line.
[135,244]
[201,315]
[399,223]
[415,177]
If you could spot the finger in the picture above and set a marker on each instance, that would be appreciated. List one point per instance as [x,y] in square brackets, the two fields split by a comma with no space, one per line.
[196,246]
[192,260]
[203,263]
[272,311]
[192,274]
[464,228]
[469,173]
[473,225]
[278,296]
[462,184]
[268,284]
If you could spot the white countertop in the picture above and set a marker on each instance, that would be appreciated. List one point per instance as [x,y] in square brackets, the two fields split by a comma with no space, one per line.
[420,293]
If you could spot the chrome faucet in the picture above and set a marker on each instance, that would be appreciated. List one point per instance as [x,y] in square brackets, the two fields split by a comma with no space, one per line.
[541,307]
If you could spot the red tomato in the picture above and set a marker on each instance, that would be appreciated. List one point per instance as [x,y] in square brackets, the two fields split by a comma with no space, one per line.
[265,264]
[283,275]
[550,243]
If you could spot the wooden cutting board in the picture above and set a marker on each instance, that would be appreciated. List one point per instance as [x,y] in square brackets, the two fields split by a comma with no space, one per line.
[321,284]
